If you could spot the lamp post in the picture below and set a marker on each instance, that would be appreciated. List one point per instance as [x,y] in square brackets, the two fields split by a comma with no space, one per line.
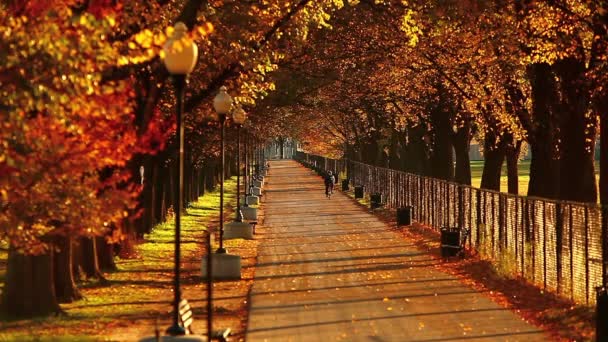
[246,176]
[238,116]
[181,54]
[222,103]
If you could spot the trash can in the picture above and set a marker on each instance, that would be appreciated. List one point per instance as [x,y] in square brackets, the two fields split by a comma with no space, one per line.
[359,192]
[404,216]
[375,200]
[345,185]
[450,241]
[601,314]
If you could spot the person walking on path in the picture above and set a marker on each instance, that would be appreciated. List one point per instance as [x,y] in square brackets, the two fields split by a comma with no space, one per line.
[330,180]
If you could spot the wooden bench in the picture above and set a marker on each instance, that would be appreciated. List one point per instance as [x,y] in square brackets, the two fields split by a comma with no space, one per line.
[186,317]
[253,224]
[221,335]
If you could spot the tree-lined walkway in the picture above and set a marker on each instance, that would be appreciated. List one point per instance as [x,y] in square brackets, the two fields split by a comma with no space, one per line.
[329,270]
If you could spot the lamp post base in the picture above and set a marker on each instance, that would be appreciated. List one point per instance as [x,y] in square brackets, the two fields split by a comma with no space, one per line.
[224,267]
[250,213]
[238,230]
[252,200]
[176,330]
[186,338]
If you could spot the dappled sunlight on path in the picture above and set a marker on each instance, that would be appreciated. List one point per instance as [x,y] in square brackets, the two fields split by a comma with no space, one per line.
[328,270]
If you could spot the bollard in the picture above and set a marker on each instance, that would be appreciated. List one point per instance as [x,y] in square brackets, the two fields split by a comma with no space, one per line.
[345,185]
[450,241]
[359,192]
[375,200]
[601,314]
[404,216]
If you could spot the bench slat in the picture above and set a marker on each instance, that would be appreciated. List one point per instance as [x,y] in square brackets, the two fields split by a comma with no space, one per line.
[187,323]
[186,315]
[184,309]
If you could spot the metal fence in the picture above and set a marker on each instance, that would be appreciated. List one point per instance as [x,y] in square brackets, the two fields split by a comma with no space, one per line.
[557,245]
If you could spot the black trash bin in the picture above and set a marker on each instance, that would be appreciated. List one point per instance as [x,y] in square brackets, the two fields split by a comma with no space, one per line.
[450,241]
[375,200]
[345,185]
[359,192]
[404,216]
[601,328]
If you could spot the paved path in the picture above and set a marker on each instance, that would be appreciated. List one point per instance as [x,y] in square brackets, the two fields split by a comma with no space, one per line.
[330,271]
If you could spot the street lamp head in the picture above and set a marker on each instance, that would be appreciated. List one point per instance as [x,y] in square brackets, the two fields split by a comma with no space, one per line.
[222,102]
[180,51]
[239,116]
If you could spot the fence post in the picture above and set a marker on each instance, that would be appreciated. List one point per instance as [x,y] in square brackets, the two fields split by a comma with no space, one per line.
[570,248]
[559,230]
[479,222]
[544,245]
[470,212]
[525,228]
[533,235]
[447,204]
[492,227]
[460,207]
[587,254]
[502,242]
[601,312]
[604,237]
[516,230]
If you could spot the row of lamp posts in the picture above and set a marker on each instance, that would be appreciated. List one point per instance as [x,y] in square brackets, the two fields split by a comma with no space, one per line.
[180,60]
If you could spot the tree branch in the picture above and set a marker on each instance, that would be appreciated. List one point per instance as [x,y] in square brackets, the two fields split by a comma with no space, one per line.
[235,68]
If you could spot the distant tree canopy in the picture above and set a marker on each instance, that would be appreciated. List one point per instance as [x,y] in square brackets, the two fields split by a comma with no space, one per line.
[422,78]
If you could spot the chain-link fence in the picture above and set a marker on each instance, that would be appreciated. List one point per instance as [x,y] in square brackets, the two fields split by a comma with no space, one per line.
[557,245]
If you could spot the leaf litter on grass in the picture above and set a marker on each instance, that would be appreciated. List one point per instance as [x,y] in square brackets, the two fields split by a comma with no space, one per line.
[140,292]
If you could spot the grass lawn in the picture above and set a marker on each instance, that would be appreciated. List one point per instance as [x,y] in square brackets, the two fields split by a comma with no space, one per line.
[138,295]
[524,175]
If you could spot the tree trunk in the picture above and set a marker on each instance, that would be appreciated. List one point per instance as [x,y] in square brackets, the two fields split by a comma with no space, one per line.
[394,151]
[513,151]
[65,287]
[29,288]
[127,244]
[493,157]
[442,158]
[416,152]
[544,167]
[578,133]
[90,264]
[209,170]
[604,152]
[169,185]
[163,190]
[77,260]
[105,254]
[462,145]
[369,152]
[154,194]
